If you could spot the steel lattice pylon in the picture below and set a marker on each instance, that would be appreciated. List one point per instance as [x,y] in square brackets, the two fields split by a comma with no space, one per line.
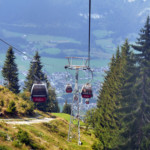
[75,108]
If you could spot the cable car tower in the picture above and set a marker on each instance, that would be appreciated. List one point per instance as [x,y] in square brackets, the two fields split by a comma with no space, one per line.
[84,65]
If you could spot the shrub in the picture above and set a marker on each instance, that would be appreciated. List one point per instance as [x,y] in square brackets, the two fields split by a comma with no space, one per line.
[23,105]
[51,127]
[3,135]
[3,148]
[97,146]
[30,108]
[17,144]
[16,98]
[23,137]
[1,102]
[1,88]
[11,107]
[25,95]
[62,134]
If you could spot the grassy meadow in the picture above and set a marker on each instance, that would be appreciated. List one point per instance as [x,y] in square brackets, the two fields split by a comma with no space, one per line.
[44,136]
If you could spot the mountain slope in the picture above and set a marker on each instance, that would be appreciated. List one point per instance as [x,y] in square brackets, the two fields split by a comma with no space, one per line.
[43,136]
[13,105]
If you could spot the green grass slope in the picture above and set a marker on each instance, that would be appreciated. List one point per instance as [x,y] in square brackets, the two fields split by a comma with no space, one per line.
[50,135]
[13,105]
[43,136]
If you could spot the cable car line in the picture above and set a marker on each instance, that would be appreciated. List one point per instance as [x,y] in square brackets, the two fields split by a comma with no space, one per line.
[14,48]
[89,40]
[86,91]
[31,58]
[39,91]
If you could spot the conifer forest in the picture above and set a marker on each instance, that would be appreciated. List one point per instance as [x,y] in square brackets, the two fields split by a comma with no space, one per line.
[122,117]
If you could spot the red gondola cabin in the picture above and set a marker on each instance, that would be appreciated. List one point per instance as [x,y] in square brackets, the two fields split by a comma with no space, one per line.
[87,101]
[87,91]
[39,93]
[68,88]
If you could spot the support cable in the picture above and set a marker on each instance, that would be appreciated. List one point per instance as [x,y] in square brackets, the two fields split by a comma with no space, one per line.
[21,51]
[15,48]
[89,40]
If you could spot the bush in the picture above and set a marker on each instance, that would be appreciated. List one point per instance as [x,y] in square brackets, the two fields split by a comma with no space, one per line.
[62,134]
[1,88]
[23,137]
[3,148]
[1,102]
[26,108]
[97,146]
[30,108]
[11,107]
[17,144]
[51,127]
[16,98]
[23,105]
[3,135]
[25,95]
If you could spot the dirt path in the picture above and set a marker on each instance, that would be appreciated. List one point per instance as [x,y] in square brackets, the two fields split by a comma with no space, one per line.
[26,121]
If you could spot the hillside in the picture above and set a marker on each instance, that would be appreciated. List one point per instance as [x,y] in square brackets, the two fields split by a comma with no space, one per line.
[43,136]
[13,105]
[22,127]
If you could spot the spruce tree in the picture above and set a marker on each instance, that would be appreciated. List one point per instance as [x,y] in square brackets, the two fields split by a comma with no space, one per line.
[114,102]
[51,104]
[66,108]
[107,125]
[35,73]
[127,98]
[141,114]
[10,72]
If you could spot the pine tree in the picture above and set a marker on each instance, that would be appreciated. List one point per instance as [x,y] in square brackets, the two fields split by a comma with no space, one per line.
[10,72]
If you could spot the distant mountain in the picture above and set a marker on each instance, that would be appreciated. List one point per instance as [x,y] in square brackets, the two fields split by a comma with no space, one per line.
[69,18]
[63,25]
[59,28]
